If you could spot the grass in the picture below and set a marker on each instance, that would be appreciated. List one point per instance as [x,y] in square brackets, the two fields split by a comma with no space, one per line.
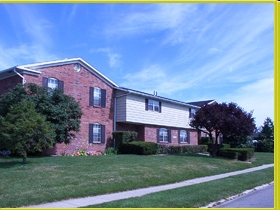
[49,179]
[196,195]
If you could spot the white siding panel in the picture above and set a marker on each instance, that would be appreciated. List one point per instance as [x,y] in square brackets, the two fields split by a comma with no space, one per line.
[171,114]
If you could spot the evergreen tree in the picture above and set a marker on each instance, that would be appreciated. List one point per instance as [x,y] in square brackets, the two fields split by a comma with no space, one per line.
[267,130]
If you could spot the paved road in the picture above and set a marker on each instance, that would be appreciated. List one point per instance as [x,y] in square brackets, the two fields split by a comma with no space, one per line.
[261,198]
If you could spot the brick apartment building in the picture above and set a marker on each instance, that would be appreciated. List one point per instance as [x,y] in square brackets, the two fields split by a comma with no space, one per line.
[107,107]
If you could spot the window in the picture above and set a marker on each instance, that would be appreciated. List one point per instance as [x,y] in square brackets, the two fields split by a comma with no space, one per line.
[184,136]
[53,83]
[97,97]
[96,133]
[192,112]
[164,135]
[153,105]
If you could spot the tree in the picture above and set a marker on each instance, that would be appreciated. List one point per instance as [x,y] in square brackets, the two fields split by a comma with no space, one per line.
[61,110]
[227,119]
[208,119]
[267,130]
[24,130]
[238,125]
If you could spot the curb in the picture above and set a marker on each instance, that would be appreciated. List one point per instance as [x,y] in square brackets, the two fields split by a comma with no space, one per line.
[216,203]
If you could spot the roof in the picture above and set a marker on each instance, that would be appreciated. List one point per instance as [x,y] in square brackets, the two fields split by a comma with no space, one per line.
[35,69]
[201,103]
[160,98]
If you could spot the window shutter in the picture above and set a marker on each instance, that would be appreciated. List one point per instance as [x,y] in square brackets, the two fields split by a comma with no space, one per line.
[146,104]
[188,136]
[179,140]
[90,132]
[91,91]
[102,133]
[157,134]
[45,82]
[169,135]
[159,108]
[60,85]
[103,98]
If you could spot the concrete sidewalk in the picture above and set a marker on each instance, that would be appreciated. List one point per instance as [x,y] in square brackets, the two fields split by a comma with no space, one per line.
[80,202]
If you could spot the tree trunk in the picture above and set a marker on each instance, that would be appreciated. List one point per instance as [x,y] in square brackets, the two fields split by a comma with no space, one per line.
[24,160]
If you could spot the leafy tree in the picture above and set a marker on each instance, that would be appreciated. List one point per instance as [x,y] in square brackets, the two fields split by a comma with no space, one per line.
[228,119]
[24,130]
[267,130]
[238,125]
[61,110]
[209,119]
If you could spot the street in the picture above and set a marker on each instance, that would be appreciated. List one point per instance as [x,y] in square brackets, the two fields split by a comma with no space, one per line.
[262,198]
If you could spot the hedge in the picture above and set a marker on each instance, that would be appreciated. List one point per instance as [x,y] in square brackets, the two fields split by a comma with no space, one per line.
[164,149]
[228,154]
[138,148]
[123,137]
[244,154]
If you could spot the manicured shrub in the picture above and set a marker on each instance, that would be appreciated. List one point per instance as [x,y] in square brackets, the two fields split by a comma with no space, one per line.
[123,137]
[219,147]
[164,149]
[228,154]
[139,148]
[244,154]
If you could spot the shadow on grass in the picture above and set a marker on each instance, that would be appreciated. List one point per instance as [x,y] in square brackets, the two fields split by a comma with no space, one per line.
[8,162]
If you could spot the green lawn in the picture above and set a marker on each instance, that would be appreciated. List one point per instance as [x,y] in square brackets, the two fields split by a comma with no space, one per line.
[48,179]
[196,195]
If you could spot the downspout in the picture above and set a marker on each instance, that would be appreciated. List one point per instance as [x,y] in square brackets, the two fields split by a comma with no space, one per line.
[23,79]
[115,113]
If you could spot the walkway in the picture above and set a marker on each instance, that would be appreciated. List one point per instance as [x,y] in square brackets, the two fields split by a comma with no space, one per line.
[80,202]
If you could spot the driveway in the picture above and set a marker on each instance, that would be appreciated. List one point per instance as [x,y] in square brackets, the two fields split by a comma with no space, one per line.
[261,198]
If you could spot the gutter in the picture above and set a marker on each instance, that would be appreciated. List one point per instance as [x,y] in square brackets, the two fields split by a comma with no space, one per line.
[23,79]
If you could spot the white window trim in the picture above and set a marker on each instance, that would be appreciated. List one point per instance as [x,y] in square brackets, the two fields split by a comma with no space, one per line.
[96,131]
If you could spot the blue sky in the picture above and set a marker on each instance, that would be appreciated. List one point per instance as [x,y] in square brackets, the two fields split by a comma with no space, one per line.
[188,52]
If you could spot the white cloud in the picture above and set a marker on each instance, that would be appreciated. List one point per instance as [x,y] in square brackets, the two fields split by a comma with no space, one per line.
[114,59]
[257,97]
[33,37]
[146,19]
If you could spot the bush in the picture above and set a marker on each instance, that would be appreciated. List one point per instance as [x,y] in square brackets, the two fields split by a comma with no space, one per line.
[219,147]
[265,146]
[110,151]
[228,154]
[163,149]
[139,148]
[244,154]
[204,140]
[123,137]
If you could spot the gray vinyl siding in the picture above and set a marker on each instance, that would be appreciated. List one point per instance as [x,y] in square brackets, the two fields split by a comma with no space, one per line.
[131,108]
[121,109]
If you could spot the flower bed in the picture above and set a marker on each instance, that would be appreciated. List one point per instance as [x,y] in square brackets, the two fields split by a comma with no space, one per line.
[86,153]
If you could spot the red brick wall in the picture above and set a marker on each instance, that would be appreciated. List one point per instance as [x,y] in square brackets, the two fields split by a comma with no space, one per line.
[9,83]
[77,85]
[149,133]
